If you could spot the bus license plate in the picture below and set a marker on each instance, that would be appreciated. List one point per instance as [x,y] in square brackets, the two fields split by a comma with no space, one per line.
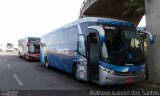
[129,80]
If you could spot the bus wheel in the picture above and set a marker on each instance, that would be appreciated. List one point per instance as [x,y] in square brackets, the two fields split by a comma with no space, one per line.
[46,63]
[19,54]
[75,73]
[26,57]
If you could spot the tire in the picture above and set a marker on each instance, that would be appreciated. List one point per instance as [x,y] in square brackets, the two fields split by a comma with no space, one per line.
[75,71]
[26,57]
[46,63]
[75,74]
[19,54]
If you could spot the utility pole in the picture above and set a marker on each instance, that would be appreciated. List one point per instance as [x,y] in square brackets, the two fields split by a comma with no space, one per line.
[153,25]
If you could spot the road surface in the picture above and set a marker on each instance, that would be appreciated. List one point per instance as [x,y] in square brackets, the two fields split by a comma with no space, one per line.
[21,75]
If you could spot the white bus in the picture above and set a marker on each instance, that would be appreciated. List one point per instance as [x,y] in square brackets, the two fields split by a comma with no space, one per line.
[9,47]
[29,48]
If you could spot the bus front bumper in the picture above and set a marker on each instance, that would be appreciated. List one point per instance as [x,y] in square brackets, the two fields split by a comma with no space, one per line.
[106,78]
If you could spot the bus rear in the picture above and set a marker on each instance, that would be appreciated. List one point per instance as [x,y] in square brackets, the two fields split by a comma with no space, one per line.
[33,47]
[29,48]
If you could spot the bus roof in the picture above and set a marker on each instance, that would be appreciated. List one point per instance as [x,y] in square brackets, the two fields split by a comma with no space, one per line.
[29,38]
[108,21]
[34,37]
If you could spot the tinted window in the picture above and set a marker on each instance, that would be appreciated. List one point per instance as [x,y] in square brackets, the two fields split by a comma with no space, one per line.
[63,36]
[81,46]
[73,34]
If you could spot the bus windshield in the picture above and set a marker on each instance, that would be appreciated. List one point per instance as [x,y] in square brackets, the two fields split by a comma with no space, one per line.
[9,45]
[123,46]
[34,48]
[131,38]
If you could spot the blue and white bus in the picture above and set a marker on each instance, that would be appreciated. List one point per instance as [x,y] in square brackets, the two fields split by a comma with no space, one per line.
[103,50]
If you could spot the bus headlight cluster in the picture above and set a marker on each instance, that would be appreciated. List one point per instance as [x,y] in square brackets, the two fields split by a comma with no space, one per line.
[143,70]
[108,70]
[108,79]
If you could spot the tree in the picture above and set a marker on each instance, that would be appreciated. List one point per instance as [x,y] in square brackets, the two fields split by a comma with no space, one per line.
[136,6]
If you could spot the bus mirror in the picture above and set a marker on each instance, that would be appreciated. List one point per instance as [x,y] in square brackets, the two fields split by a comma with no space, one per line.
[149,35]
[42,44]
[27,44]
[77,46]
[101,32]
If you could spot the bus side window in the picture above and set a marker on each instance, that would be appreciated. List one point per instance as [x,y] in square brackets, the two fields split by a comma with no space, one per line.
[73,34]
[81,46]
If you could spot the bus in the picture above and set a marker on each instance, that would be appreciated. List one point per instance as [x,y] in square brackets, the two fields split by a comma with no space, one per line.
[102,50]
[29,48]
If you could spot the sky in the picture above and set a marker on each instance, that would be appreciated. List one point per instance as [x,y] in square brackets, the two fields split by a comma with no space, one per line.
[142,22]
[21,18]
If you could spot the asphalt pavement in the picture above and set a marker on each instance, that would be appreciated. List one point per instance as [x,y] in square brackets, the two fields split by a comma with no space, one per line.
[18,74]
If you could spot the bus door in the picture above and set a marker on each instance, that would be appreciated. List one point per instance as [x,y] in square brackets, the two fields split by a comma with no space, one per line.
[93,56]
[82,59]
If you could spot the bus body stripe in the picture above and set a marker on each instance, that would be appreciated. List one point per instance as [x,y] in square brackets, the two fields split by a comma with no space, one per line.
[122,68]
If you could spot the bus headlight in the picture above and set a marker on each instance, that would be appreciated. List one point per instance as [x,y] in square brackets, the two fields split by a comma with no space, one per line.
[143,70]
[111,71]
[108,70]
